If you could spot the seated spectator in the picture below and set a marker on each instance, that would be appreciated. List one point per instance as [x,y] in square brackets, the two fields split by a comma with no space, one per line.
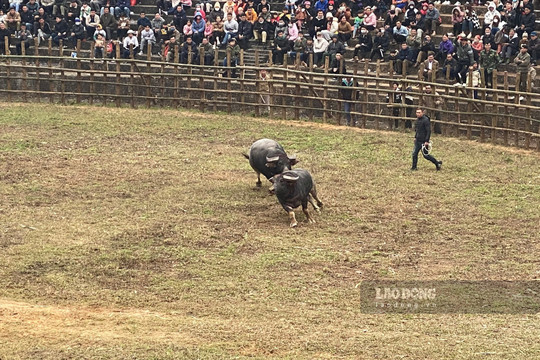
[73,11]
[5,36]
[189,48]
[24,37]
[317,24]
[527,22]
[457,20]
[92,21]
[231,30]
[380,45]
[130,43]
[365,44]
[419,23]
[488,62]
[179,18]
[449,67]
[333,48]
[426,47]
[107,4]
[123,26]
[32,5]
[77,32]
[446,46]
[13,20]
[217,33]
[147,37]
[471,24]
[370,20]
[188,29]
[206,48]
[299,48]
[534,47]
[99,46]
[27,17]
[509,15]
[430,67]
[410,14]
[281,46]
[390,23]
[400,33]
[198,27]
[337,66]
[292,32]
[123,7]
[60,30]
[216,11]
[319,48]
[171,49]
[433,19]
[414,42]
[477,47]
[404,56]
[143,22]
[490,15]
[510,48]
[42,30]
[99,30]
[331,28]
[260,31]
[400,5]
[108,23]
[488,37]
[345,30]
[380,8]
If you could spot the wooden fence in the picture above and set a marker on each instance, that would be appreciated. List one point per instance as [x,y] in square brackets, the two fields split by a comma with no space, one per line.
[500,116]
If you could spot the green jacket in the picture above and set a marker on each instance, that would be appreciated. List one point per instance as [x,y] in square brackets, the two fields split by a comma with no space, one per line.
[489,60]
[235,52]
[523,60]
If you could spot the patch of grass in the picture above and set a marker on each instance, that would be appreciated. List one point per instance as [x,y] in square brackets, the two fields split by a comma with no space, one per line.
[139,234]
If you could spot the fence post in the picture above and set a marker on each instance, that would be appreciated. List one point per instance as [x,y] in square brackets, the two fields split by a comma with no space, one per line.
[78,49]
[309,86]
[38,76]
[78,96]
[6,45]
[325,89]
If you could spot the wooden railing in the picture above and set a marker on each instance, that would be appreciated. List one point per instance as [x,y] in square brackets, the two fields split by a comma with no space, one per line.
[498,116]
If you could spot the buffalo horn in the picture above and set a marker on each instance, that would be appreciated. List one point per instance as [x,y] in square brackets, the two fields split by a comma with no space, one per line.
[290,177]
[272,159]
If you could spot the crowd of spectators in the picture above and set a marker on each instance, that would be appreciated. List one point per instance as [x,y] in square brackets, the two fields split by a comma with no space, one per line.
[404,31]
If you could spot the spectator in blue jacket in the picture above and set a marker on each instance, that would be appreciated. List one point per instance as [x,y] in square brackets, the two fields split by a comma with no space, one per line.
[321,5]
[198,27]
[122,7]
[405,55]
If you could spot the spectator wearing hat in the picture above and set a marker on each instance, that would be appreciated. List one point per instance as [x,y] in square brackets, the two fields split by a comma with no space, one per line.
[216,11]
[24,37]
[129,41]
[100,31]
[77,32]
[523,62]
[60,31]
[13,20]
[370,19]
[410,14]
[534,47]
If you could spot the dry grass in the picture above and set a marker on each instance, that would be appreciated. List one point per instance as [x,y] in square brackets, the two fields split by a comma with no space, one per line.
[138,234]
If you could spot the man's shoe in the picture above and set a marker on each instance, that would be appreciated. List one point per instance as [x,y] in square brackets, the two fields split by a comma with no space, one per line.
[413,169]
[439,165]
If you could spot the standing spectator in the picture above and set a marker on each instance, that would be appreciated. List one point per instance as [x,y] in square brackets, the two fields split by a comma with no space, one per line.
[24,37]
[189,47]
[234,50]
[231,29]
[523,61]
[380,45]
[77,32]
[346,94]
[319,48]
[365,44]
[433,19]
[422,137]
[465,58]
[4,34]
[129,41]
[488,62]
[400,33]
[208,50]
[198,27]
[147,37]
[345,30]
[457,20]
[534,47]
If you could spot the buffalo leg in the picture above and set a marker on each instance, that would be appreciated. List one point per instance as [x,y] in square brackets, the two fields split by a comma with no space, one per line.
[313,192]
[292,219]
[306,212]
[258,183]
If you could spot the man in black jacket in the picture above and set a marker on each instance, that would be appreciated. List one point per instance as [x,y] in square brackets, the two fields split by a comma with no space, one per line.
[60,30]
[423,133]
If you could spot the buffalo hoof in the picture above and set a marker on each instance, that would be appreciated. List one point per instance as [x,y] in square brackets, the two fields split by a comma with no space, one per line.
[258,184]
[294,224]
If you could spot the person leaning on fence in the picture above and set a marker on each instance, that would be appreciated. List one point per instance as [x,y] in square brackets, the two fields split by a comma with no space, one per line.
[422,137]
[189,48]
[130,41]
[234,50]
[488,62]
[523,62]
[337,66]
[465,58]
[24,37]
[208,50]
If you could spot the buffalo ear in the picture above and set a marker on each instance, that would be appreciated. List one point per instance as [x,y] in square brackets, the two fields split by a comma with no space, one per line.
[292,159]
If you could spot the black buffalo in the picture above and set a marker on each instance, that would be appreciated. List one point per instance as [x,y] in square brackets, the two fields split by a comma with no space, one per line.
[268,157]
[294,188]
